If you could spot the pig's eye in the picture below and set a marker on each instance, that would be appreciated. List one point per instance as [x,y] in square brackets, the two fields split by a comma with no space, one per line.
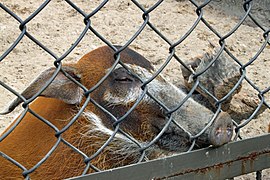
[122,76]
[124,79]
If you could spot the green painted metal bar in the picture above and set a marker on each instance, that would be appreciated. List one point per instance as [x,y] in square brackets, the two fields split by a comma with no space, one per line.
[230,160]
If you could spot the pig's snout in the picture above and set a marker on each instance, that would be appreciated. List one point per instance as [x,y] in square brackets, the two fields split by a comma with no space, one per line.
[221,130]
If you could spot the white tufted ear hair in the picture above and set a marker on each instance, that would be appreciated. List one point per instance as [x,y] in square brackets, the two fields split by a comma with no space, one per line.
[61,88]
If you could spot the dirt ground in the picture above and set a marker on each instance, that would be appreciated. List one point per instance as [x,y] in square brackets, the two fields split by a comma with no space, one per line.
[59,25]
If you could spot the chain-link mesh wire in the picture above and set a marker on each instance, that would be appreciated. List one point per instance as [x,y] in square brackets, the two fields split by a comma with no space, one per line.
[146,23]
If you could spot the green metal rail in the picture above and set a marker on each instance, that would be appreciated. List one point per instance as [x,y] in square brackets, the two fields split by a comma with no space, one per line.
[228,161]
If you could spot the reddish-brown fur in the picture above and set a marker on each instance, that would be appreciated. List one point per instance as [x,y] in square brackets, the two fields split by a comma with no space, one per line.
[32,139]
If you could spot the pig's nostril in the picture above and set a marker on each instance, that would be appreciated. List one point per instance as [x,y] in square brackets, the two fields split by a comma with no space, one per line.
[221,135]
[218,131]
[229,132]
[229,129]
[223,131]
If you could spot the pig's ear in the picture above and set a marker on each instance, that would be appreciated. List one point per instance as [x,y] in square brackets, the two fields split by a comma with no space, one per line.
[193,66]
[61,88]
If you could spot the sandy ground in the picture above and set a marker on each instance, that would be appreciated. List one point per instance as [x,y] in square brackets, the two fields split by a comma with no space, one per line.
[59,25]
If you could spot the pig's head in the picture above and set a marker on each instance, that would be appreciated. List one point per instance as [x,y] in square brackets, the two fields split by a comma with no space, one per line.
[121,90]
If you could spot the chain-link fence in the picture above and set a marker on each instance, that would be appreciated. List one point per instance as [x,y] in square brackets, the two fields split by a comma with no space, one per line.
[67,135]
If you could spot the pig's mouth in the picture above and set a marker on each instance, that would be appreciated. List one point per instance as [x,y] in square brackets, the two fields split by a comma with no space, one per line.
[174,138]
[174,141]
[177,140]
